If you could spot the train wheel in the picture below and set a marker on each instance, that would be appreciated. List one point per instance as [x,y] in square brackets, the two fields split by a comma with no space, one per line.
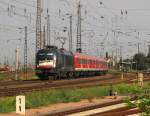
[59,75]
[51,78]
[76,74]
[39,76]
[55,77]
[43,76]
[70,75]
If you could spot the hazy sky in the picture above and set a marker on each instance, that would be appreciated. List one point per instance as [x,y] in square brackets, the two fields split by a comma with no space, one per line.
[106,25]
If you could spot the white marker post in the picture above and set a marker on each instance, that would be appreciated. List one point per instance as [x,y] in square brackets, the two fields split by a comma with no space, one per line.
[20,104]
[140,79]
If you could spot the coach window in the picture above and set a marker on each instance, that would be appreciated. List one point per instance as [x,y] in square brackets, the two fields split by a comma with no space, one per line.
[83,61]
[78,60]
[93,62]
[96,63]
[88,62]
[100,63]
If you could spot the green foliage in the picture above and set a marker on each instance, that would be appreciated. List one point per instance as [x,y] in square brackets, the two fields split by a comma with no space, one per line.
[127,89]
[7,104]
[44,98]
[144,106]
[141,60]
[114,72]
[36,99]
[143,100]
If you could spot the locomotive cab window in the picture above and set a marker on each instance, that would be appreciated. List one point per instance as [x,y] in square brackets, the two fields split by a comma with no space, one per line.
[43,56]
[50,56]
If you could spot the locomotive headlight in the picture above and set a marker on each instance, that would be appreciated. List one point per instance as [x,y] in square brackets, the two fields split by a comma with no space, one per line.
[54,61]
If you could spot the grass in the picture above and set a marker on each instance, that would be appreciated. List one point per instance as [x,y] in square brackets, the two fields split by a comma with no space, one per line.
[11,75]
[63,95]
[113,72]
[7,104]
[44,98]
[6,76]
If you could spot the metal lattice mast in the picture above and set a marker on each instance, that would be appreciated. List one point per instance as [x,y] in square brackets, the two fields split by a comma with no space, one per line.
[48,29]
[79,49]
[38,26]
[70,39]
[44,38]
[25,54]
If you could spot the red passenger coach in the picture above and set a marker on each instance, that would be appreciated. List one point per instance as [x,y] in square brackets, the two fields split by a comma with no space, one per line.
[89,64]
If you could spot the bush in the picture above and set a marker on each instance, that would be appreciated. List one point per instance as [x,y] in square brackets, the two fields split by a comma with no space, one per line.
[125,89]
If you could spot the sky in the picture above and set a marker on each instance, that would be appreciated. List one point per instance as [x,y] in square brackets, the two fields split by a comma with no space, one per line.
[113,26]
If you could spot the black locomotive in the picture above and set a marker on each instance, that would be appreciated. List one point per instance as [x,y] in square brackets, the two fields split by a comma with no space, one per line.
[54,62]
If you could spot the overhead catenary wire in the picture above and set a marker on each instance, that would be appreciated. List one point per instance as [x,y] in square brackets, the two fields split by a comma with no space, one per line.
[24,3]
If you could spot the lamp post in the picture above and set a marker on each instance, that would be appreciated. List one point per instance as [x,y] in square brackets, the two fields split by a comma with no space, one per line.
[16,59]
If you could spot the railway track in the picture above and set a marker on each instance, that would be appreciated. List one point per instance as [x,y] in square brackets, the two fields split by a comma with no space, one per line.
[20,82]
[109,108]
[11,89]
[16,88]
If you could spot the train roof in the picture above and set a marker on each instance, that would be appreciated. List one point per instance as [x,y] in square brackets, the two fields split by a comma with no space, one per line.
[89,57]
[55,49]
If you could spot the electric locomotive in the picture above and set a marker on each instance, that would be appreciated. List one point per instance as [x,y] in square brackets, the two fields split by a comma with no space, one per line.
[53,62]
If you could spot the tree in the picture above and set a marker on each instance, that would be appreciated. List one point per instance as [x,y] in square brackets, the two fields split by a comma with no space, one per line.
[140,60]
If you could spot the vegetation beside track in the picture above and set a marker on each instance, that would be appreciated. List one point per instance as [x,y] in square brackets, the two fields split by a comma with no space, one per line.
[11,75]
[44,98]
[114,72]
[143,101]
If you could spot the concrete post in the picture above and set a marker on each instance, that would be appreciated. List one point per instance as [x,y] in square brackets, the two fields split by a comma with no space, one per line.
[122,76]
[17,63]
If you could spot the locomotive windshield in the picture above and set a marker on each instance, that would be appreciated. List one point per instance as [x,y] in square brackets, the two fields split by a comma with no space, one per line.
[47,56]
